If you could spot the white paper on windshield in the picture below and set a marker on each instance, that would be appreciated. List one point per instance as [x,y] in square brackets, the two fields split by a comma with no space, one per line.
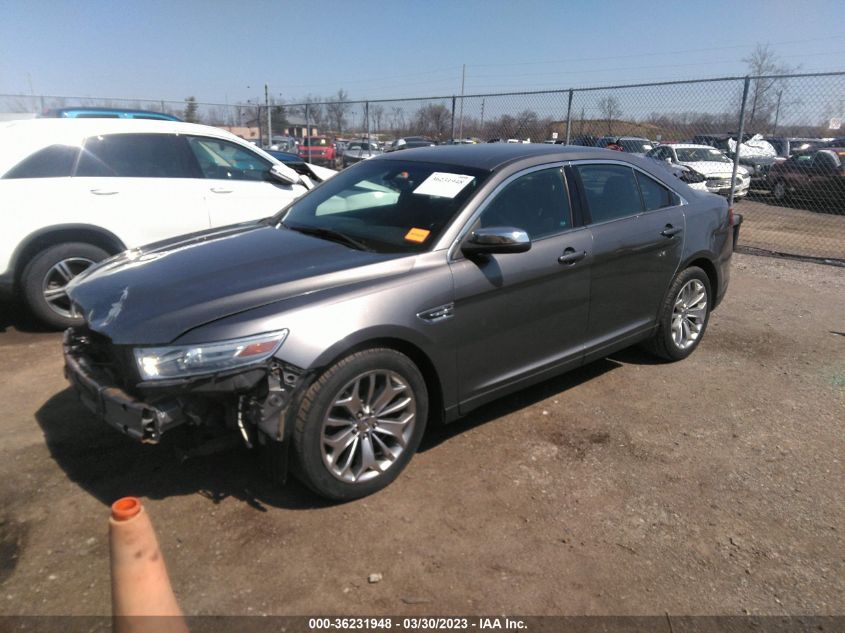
[443,185]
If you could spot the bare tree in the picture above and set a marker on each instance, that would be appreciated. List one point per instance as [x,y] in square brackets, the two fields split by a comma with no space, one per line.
[610,110]
[337,111]
[397,119]
[316,113]
[376,114]
[765,88]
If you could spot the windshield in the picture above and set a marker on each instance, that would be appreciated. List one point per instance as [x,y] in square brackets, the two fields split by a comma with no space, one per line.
[388,206]
[700,155]
[634,146]
[315,141]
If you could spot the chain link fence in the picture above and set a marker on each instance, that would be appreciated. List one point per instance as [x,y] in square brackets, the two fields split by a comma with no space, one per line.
[786,173]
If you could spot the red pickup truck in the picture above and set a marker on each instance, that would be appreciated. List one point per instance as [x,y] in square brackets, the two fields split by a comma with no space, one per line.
[318,150]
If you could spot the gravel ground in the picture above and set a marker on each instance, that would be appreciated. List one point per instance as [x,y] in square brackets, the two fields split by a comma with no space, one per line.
[710,486]
[797,228]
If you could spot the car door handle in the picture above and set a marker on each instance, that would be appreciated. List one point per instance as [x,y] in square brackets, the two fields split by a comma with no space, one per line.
[220,190]
[570,256]
[104,192]
[670,231]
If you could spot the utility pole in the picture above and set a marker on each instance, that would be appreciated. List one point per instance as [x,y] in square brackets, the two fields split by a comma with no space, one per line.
[461,124]
[482,118]
[269,120]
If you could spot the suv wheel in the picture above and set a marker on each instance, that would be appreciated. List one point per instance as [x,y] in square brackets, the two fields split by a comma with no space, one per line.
[683,316]
[779,191]
[45,279]
[359,424]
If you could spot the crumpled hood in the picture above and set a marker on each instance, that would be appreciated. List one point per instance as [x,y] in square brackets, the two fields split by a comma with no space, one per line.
[155,294]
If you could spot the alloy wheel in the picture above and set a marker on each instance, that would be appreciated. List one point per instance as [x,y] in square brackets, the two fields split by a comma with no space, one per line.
[689,314]
[54,286]
[368,426]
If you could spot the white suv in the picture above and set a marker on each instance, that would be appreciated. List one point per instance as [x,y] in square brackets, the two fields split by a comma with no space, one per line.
[75,191]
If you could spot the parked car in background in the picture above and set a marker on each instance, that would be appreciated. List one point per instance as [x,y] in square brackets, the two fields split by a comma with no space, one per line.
[410,142]
[758,164]
[318,150]
[410,289]
[818,175]
[356,151]
[708,161]
[630,144]
[80,112]
[284,144]
[75,191]
[786,146]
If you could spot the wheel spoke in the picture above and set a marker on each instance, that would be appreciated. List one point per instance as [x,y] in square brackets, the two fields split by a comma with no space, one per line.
[340,443]
[350,456]
[52,294]
[396,407]
[390,453]
[64,270]
[386,396]
[697,314]
[368,456]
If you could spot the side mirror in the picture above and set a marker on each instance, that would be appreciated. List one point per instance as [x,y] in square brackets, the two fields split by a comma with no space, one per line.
[283,175]
[668,159]
[497,239]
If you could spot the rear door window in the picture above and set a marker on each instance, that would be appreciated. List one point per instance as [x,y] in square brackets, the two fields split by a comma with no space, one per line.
[611,191]
[137,156]
[655,195]
[55,161]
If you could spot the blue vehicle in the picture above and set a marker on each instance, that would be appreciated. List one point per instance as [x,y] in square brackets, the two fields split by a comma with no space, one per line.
[106,113]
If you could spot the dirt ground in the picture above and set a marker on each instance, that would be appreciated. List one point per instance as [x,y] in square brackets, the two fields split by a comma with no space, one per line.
[710,486]
[798,227]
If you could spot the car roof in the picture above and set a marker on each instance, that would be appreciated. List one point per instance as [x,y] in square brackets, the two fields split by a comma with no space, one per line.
[491,156]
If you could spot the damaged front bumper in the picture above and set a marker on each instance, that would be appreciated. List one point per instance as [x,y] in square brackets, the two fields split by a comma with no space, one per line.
[250,399]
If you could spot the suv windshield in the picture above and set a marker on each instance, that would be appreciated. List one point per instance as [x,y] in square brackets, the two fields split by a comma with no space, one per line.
[701,154]
[315,141]
[387,206]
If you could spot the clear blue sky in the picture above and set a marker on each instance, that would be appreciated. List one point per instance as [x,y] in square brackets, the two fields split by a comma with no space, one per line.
[226,51]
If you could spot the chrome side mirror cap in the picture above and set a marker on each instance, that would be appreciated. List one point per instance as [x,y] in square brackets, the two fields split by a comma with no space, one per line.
[496,239]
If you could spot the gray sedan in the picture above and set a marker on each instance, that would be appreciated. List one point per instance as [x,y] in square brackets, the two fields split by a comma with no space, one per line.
[356,151]
[406,291]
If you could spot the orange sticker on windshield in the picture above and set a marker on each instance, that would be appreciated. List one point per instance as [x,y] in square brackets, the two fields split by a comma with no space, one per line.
[417,235]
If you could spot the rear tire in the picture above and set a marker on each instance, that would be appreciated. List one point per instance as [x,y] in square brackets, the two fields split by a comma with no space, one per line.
[779,191]
[683,316]
[359,424]
[45,278]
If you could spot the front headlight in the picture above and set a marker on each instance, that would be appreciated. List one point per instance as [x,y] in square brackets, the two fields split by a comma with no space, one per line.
[177,361]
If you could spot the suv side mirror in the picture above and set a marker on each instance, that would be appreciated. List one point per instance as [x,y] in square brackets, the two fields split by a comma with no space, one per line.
[496,239]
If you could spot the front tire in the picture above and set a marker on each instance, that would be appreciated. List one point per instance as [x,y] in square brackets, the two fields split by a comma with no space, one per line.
[683,316]
[45,279]
[779,191]
[359,424]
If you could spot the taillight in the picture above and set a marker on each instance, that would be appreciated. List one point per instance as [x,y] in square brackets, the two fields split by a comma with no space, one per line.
[730,216]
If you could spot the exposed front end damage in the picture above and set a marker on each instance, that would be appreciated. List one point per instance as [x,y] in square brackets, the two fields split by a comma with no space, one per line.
[254,402]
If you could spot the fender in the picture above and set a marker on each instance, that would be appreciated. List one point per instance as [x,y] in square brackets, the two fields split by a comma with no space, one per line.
[37,240]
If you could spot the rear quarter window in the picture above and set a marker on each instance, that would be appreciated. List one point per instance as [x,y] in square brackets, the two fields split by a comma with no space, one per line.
[55,161]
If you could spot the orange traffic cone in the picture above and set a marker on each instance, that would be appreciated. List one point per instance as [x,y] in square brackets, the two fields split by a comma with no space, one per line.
[142,599]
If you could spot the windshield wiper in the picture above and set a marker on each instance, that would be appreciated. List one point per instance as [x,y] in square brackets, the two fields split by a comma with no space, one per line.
[329,234]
